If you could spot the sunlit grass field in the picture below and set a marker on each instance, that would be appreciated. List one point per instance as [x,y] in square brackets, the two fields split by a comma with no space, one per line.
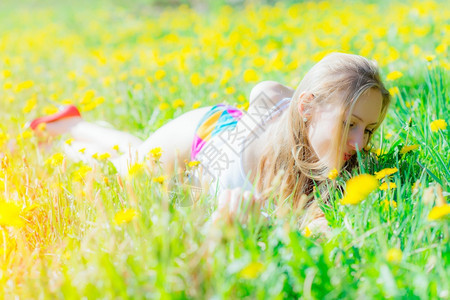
[68,230]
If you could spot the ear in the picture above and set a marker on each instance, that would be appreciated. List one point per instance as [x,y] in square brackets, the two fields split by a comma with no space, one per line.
[305,98]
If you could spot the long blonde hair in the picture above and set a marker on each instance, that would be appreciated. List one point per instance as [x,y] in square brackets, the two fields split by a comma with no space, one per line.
[289,166]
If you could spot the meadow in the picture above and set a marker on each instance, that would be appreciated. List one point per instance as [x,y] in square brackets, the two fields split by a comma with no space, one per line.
[69,230]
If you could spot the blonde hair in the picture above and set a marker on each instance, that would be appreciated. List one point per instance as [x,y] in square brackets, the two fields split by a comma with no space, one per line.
[289,166]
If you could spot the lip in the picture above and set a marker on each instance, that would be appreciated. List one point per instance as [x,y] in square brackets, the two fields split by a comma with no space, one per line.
[347,156]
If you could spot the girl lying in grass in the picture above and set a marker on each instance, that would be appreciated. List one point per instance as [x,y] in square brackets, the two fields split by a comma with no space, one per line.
[286,143]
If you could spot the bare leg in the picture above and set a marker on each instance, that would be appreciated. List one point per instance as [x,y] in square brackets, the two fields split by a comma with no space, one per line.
[94,136]
[175,139]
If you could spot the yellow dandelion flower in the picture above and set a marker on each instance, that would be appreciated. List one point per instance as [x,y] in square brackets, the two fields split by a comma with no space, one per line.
[178,103]
[358,188]
[104,156]
[213,95]
[388,135]
[386,203]
[439,212]
[333,174]
[156,152]
[82,150]
[193,163]
[68,141]
[384,186]
[163,106]
[6,73]
[95,155]
[160,74]
[24,85]
[250,75]
[138,87]
[195,79]
[7,85]
[439,124]
[394,75]
[196,104]
[394,255]
[55,160]
[406,149]
[307,232]
[29,105]
[125,216]
[81,173]
[159,179]
[385,172]
[394,91]
[230,90]
[49,110]
[116,147]
[429,58]
[135,170]
[252,270]
[10,215]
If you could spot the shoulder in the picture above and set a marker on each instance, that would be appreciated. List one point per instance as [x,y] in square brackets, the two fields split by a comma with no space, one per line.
[269,91]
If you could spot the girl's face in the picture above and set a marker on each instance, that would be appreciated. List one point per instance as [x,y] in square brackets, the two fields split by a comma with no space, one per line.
[363,120]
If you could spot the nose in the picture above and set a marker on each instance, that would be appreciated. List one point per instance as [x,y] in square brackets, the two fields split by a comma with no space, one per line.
[356,139]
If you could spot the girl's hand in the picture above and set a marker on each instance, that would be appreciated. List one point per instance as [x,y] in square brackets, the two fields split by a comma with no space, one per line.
[236,204]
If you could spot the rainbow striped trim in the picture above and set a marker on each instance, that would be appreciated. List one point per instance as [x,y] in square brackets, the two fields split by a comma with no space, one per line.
[221,117]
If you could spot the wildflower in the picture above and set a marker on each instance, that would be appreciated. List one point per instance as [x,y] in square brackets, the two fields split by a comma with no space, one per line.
[195,79]
[333,174]
[81,173]
[159,179]
[429,58]
[29,105]
[138,87]
[385,172]
[49,110]
[104,156]
[116,148]
[196,104]
[68,141]
[250,75]
[230,90]
[125,216]
[438,125]
[251,271]
[160,74]
[135,169]
[386,203]
[394,75]
[307,232]
[384,186]
[213,95]
[178,103]
[24,85]
[10,215]
[193,163]
[439,212]
[82,150]
[163,106]
[394,91]
[406,149]
[358,188]
[156,152]
[55,160]
[394,255]
[95,155]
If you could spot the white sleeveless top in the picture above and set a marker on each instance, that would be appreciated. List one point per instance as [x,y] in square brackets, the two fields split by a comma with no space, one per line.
[228,172]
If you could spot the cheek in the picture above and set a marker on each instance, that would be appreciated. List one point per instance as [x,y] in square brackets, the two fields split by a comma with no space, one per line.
[321,137]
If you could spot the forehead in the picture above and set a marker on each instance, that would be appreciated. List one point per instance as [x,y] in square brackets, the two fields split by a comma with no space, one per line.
[368,106]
